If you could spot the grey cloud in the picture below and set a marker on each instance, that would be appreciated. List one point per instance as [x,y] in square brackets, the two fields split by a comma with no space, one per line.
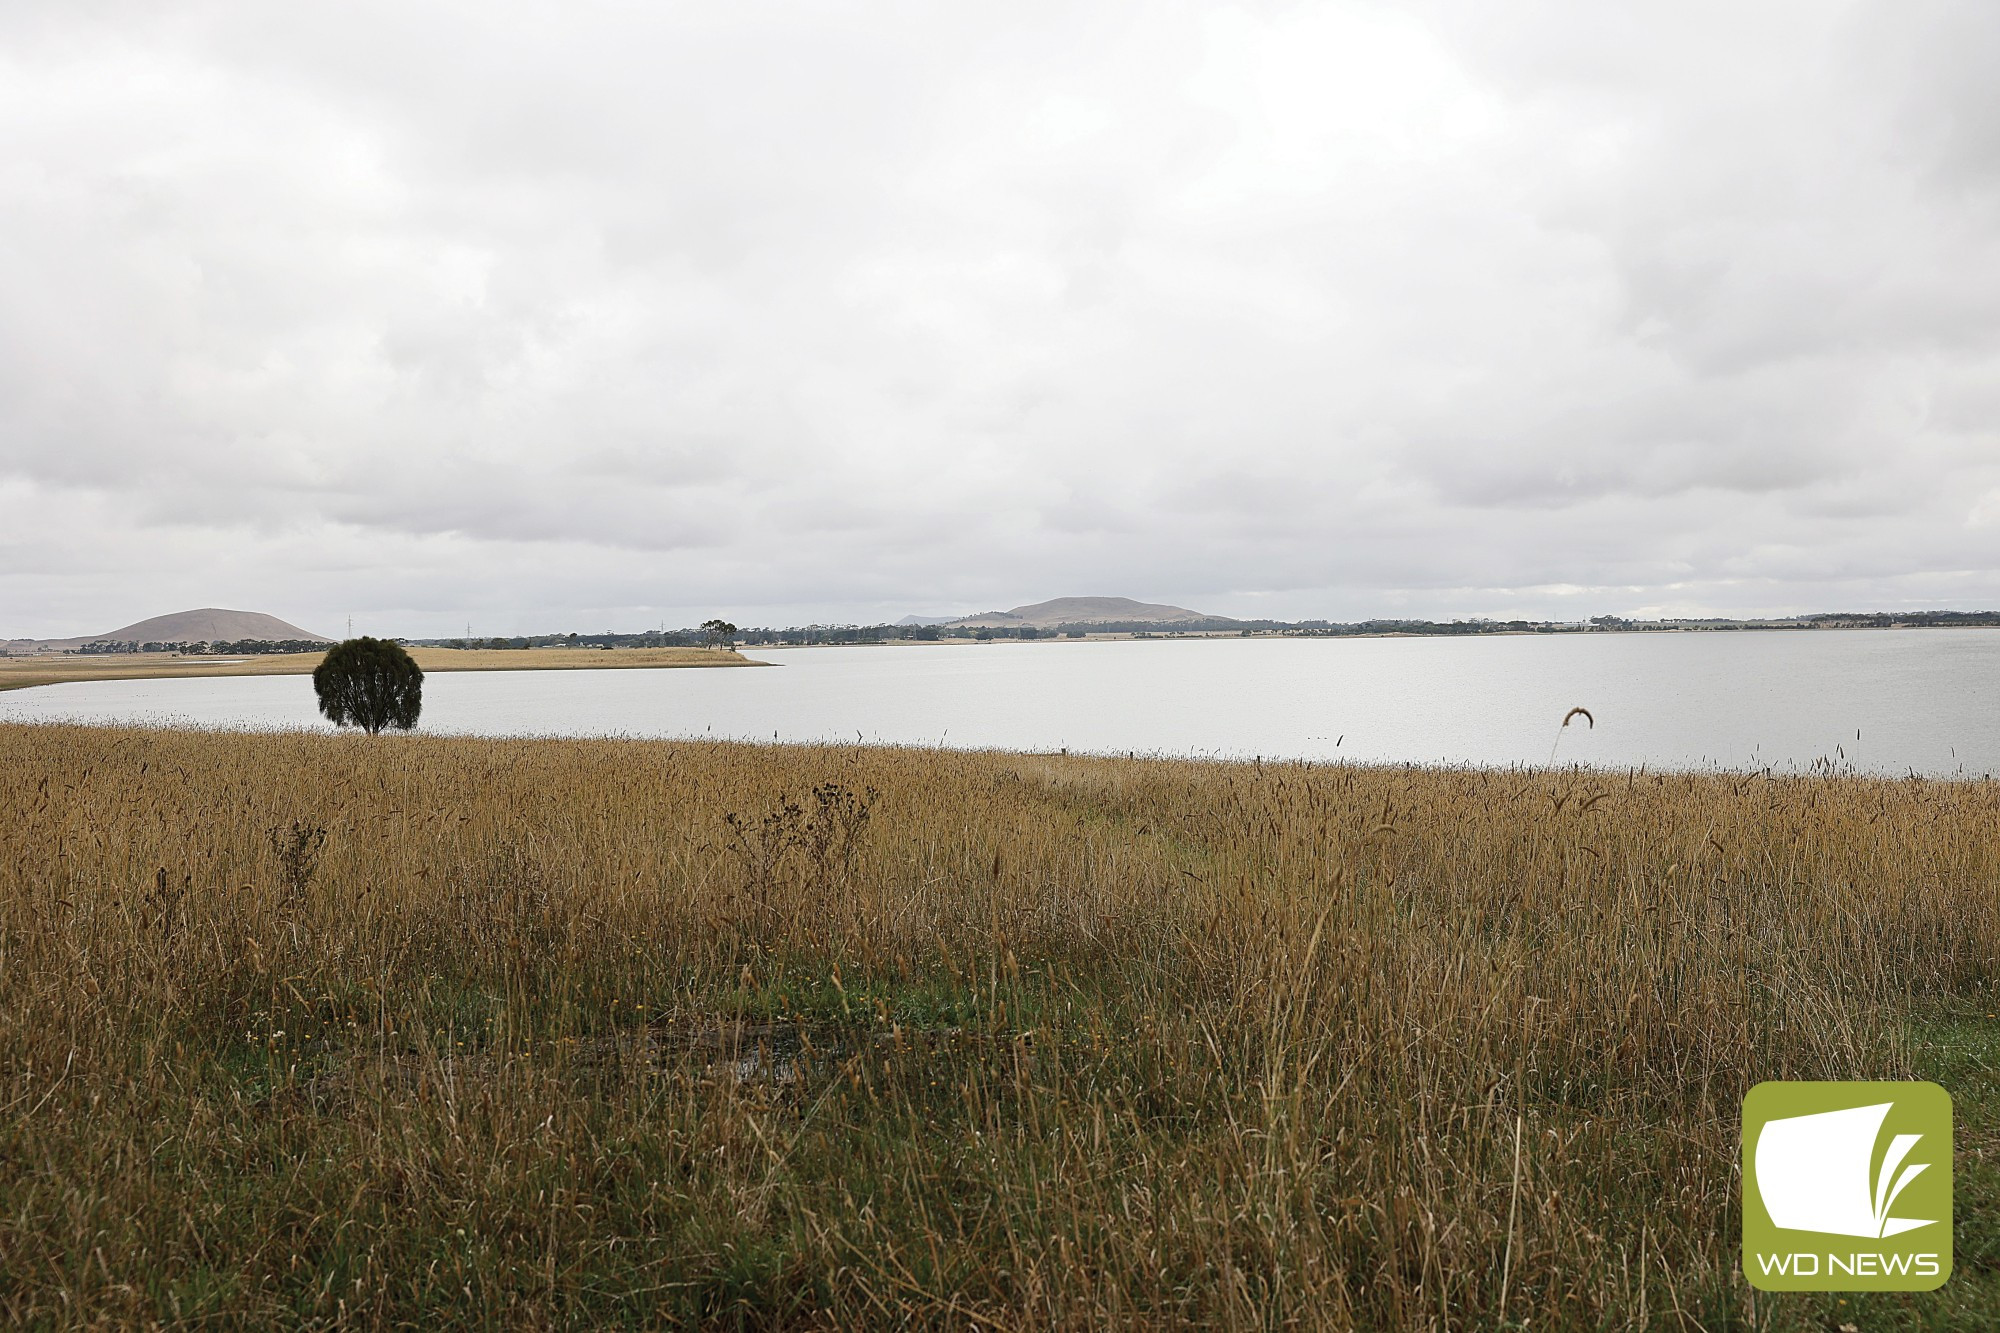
[831,310]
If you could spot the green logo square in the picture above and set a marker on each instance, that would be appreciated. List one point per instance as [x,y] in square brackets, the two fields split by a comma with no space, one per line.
[1847,1186]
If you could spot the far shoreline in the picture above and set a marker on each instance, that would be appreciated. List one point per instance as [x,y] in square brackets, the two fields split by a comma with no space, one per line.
[1238,636]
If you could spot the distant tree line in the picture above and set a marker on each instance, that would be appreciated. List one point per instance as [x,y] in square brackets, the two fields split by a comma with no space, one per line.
[1325,628]
[814,635]
[685,638]
[225,647]
[1903,619]
[837,634]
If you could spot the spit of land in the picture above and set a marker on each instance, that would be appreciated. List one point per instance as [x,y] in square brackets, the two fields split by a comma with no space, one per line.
[54,669]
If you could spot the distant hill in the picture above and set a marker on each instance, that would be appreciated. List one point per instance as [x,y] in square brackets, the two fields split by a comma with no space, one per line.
[926,620]
[211,624]
[208,625]
[1086,611]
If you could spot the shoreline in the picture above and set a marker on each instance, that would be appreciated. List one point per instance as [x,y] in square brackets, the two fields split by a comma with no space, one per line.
[799,749]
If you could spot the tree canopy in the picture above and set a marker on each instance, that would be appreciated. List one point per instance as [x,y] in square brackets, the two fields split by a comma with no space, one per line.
[371,684]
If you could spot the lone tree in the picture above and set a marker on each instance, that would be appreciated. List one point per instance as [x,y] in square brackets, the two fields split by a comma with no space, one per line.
[370,683]
[721,634]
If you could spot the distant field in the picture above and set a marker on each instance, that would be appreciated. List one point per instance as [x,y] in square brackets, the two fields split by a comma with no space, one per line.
[413,1031]
[20,672]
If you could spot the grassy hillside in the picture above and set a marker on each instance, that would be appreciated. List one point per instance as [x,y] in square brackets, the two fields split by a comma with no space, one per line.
[331,1029]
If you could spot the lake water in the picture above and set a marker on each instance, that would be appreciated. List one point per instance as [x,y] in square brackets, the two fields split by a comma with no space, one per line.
[1886,701]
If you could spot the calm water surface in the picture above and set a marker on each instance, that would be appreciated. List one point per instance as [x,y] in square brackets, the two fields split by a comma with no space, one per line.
[1890,701]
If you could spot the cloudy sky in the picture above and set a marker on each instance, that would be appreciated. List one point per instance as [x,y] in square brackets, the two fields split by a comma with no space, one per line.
[601,315]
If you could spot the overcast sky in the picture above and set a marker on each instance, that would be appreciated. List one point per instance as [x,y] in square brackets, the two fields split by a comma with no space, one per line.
[604,315]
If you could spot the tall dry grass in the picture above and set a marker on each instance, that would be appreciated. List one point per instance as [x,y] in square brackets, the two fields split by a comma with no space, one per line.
[406,1030]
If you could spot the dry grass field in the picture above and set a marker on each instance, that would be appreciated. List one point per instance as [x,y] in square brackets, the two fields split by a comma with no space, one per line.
[307,1030]
[21,672]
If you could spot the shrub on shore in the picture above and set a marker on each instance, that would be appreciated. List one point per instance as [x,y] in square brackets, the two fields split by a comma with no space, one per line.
[370,683]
